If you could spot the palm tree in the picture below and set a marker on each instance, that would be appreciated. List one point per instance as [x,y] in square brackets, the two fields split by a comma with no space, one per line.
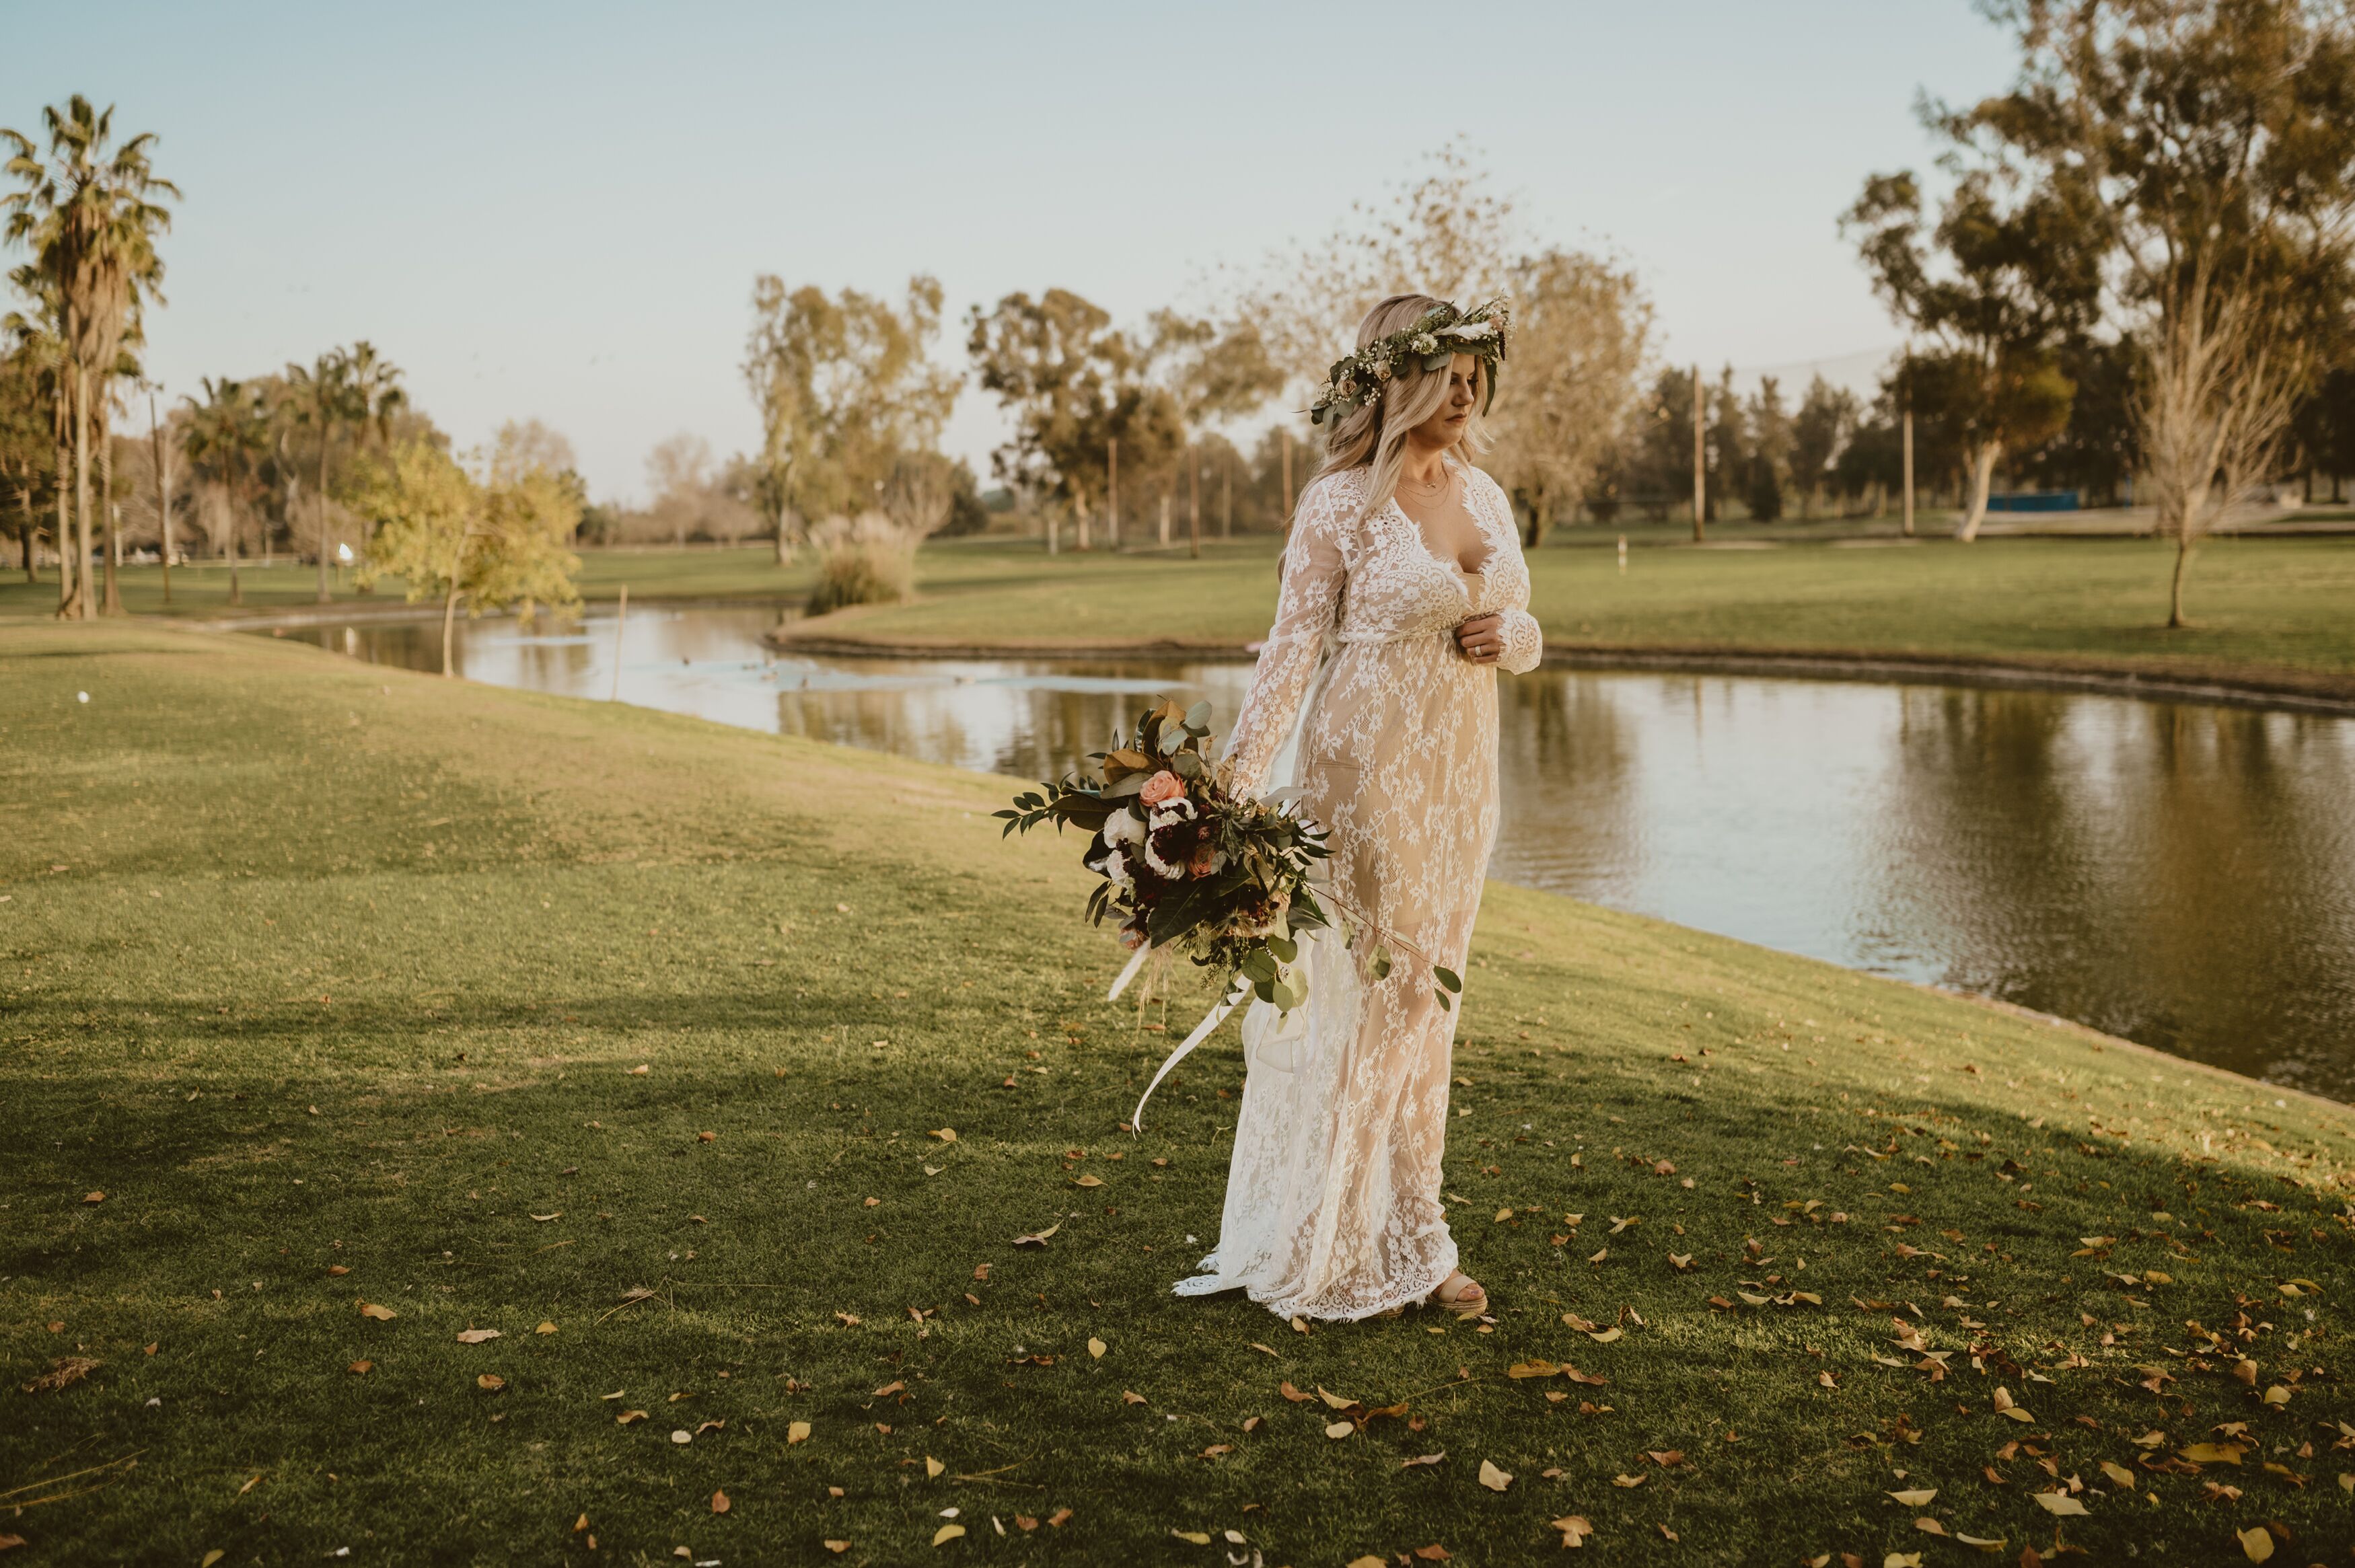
[372,386]
[228,434]
[319,401]
[88,218]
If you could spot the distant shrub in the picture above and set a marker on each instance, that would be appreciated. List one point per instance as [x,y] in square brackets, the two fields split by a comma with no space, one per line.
[869,561]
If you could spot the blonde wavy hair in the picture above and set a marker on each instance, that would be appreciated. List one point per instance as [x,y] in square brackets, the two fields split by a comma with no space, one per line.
[1374,436]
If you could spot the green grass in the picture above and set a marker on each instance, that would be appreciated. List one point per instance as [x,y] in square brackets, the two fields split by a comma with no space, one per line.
[316,966]
[2265,611]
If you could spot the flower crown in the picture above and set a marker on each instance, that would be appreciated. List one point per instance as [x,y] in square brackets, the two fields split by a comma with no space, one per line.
[1358,381]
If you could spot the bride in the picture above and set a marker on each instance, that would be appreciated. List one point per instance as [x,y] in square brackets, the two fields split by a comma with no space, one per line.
[1403,587]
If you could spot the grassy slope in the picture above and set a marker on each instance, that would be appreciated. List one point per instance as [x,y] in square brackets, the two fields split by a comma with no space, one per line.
[247,881]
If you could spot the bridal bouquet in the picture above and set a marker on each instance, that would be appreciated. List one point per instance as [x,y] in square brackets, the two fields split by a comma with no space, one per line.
[1186,863]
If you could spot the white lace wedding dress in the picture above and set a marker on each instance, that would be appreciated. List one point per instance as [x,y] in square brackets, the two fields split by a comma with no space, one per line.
[1333,1199]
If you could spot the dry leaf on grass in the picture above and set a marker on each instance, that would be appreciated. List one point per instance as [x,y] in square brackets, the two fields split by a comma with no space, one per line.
[1918,1497]
[2005,1407]
[1574,1529]
[2212,1454]
[947,1533]
[2256,1543]
[1408,1464]
[720,1502]
[490,1383]
[1337,1429]
[2060,1503]
[337,1270]
[1604,1336]
[836,1547]
[477,1336]
[381,1314]
[629,1416]
[63,1371]
[94,1198]
[543,1219]
[1038,1238]
[2119,1474]
[1199,1537]
[1929,1526]
[1495,1479]
[1096,1349]
[1624,1480]
[361,1368]
[796,1432]
[1130,1396]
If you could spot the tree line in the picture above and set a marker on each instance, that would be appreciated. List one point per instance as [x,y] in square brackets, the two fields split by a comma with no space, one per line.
[328,460]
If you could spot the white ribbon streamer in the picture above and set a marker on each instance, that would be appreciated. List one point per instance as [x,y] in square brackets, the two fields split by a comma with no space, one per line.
[1135,962]
[1202,1030]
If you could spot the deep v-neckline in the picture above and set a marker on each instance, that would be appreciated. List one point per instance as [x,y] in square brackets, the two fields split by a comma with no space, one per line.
[1464,575]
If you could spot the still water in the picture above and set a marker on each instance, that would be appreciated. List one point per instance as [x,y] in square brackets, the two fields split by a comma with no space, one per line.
[2181,874]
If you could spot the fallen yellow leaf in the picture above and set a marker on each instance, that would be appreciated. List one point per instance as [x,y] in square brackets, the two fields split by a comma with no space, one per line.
[545,1328]
[477,1336]
[1199,1537]
[543,1219]
[382,1314]
[836,1547]
[1096,1349]
[1604,1336]
[945,1134]
[1625,1480]
[2119,1474]
[2060,1503]
[1337,1429]
[932,1466]
[1495,1479]
[1574,1529]
[1918,1498]
[1503,1215]
[796,1432]
[492,1382]
[947,1533]
[720,1502]
[2257,1542]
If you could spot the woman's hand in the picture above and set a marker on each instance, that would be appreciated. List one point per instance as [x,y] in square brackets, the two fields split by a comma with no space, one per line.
[1482,639]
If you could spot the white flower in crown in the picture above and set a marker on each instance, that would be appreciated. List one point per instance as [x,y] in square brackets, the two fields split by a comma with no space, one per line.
[1424,344]
[1381,370]
[1469,330]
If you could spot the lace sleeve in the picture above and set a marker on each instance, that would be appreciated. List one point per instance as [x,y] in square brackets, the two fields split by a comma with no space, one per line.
[1524,644]
[1315,574]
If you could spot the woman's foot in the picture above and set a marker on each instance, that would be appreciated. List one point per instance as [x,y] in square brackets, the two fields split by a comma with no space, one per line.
[1461,1294]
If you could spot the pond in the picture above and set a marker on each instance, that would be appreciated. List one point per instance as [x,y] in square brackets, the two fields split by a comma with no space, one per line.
[2181,874]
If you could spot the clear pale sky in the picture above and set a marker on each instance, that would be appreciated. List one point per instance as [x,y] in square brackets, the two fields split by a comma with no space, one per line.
[556,210]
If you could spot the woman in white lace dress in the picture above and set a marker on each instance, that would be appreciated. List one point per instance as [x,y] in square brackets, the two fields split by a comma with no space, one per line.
[1376,694]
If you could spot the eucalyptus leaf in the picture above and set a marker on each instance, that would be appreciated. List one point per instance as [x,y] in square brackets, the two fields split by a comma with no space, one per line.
[1198,717]
[1381,963]
[1447,977]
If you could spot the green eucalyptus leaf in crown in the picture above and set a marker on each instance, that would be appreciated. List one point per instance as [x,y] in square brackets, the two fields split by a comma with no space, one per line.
[1443,331]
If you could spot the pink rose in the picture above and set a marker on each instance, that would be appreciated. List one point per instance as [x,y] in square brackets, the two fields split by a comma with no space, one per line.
[1163,786]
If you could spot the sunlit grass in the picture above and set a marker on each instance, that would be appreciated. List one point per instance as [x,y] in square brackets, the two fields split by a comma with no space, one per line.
[246,882]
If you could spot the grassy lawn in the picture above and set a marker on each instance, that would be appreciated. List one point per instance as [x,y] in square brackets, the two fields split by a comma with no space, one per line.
[636,1040]
[2279,609]
[2271,611]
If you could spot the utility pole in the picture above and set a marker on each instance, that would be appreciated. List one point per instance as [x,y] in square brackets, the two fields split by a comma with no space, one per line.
[1194,502]
[1112,494]
[1700,459]
[1905,385]
[1227,517]
[162,487]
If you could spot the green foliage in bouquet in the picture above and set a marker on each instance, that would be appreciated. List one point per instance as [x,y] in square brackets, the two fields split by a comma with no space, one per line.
[1186,864]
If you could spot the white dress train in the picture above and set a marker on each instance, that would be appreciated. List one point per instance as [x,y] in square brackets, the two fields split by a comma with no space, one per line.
[1333,1202]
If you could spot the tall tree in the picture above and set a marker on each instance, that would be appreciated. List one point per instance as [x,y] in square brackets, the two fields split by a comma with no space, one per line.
[1997,282]
[1768,471]
[1819,431]
[226,441]
[845,386]
[1447,234]
[89,216]
[1073,387]
[378,401]
[316,402]
[486,543]
[28,445]
[1581,326]
[2216,143]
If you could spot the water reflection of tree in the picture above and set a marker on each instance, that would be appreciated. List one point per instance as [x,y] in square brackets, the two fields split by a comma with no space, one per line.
[2177,874]
[1567,777]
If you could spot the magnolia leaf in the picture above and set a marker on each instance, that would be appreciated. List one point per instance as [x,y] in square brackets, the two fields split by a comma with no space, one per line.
[1574,1529]
[2119,1474]
[1604,1336]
